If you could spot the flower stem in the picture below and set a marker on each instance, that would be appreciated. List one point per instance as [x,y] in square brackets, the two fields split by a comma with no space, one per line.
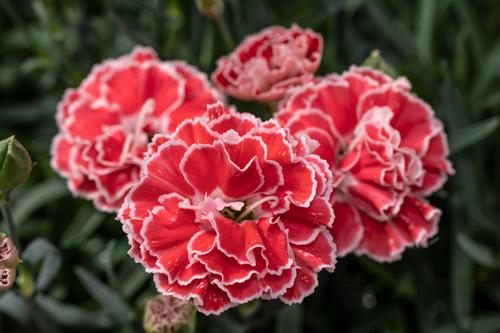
[226,35]
[6,207]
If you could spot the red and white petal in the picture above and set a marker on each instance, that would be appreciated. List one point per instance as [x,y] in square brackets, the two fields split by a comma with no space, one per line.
[128,88]
[223,174]
[194,132]
[303,224]
[347,230]
[319,254]
[412,116]
[381,240]
[417,221]
[276,250]
[238,240]
[299,183]
[305,282]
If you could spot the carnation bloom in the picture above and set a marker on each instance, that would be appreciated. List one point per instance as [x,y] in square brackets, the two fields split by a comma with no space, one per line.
[105,124]
[266,64]
[387,151]
[229,209]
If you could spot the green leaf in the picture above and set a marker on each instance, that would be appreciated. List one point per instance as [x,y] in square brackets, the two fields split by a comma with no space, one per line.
[226,324]
[72,316]
[462,287]
[38,196]
[472,134]
[82,226]
[42,250]
[105,260]
[390,27]
[15,307]
[477,252]
[290,320]
[105,296]
[41,320]
[425,29]
[132,279]
[487,324]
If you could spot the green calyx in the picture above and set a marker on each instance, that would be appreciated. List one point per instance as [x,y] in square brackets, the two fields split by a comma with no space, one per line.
[376,61]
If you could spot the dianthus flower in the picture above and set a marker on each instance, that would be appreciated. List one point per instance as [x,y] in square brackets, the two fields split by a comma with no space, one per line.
[387,151]
[266,64]
[105,124]
[229,209]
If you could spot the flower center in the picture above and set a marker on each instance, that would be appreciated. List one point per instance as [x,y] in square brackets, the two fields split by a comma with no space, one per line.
[237,211]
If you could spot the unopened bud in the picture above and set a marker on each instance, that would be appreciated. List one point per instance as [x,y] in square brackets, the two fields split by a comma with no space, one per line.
[7,277]
[376,61]
[15,163]
[8,252]
[211,8]
[167,314]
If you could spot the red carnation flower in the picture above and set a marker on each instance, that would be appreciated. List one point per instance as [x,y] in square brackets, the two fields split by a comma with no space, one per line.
[105,124]
[266,64]
[387,151]
[229,209]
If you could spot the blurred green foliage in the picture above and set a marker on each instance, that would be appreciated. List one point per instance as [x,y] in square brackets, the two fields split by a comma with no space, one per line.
[81,278]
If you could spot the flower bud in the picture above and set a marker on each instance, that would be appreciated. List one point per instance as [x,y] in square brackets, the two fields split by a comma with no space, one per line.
[376,61]
[167,314]
[211,8]
[8,252]
[7,277]
[15,163]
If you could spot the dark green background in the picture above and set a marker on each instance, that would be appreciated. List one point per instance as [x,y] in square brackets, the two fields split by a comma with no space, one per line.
[450,51]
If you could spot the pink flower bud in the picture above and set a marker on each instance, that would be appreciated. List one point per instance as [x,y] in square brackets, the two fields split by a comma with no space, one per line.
[167,314]
[8,252]
[7,277]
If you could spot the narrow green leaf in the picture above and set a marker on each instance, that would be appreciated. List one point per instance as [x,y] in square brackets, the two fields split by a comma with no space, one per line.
[473,134]
[72,316]
[487,324]
[290,320]
[133,279]
[37,250]
[15,307]
[42,250]
[207,46]
[44,323]
[105,296]
[477,252]
[82,226]
[37,197]
[226,324]
[462,287]
[390,27]
[105,260]
[425,29]
[49,270]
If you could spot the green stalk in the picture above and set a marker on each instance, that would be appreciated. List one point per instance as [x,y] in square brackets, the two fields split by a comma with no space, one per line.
[226,35]
[6,207]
